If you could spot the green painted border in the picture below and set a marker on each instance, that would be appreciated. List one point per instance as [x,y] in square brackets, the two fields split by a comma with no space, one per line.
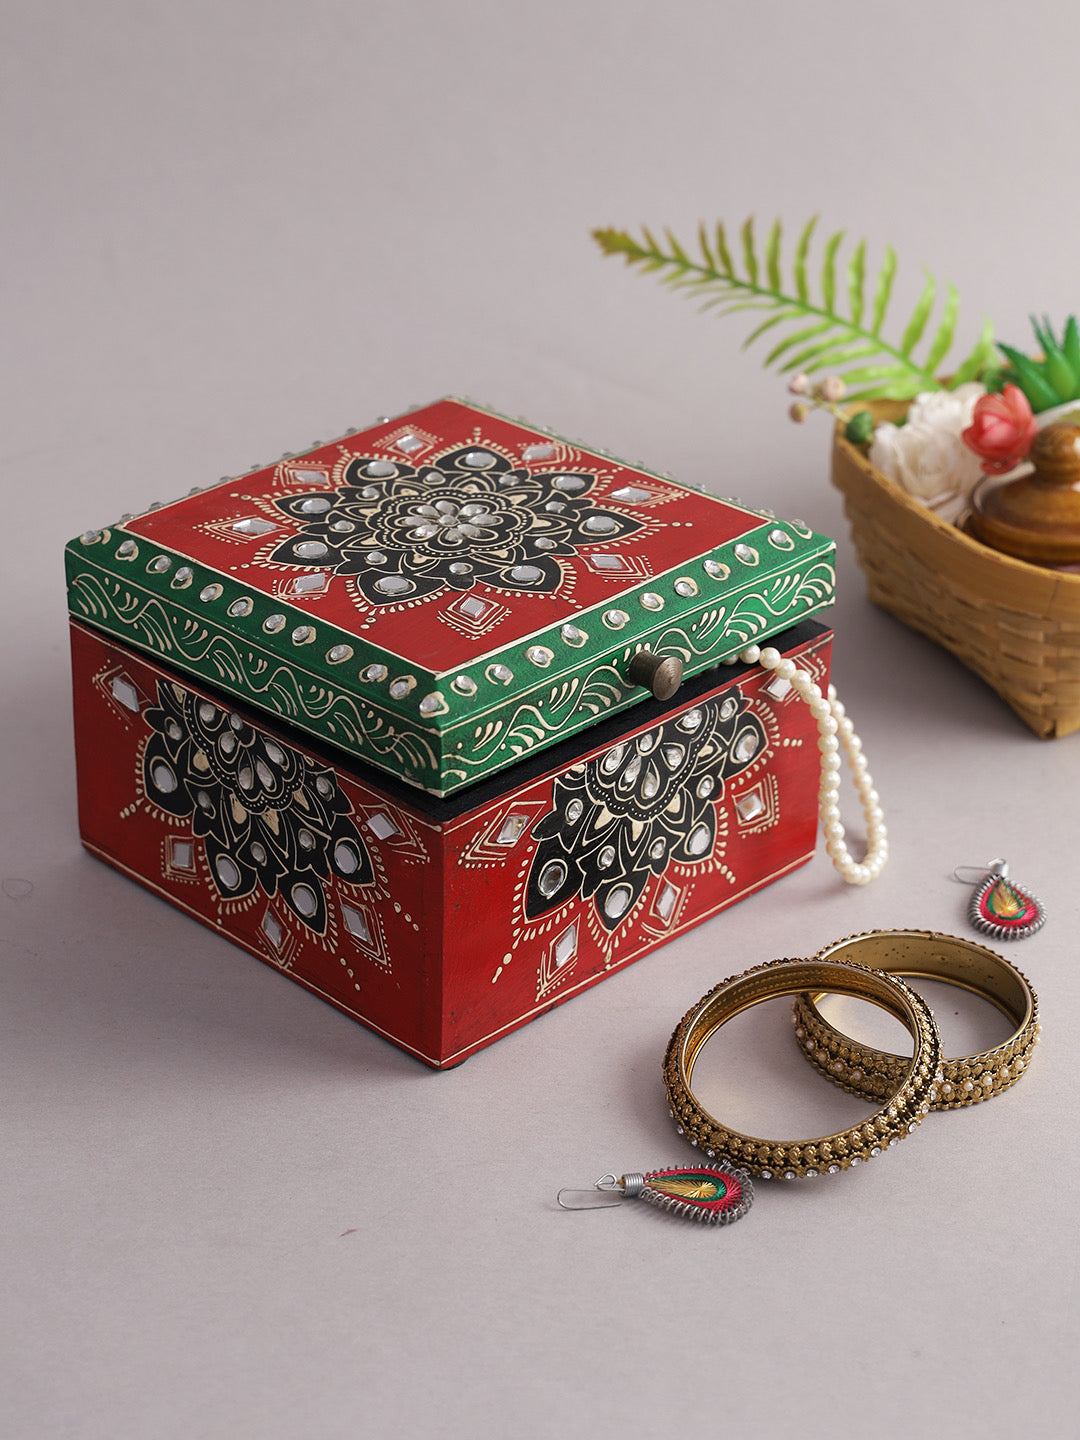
[437,758]
[159,601]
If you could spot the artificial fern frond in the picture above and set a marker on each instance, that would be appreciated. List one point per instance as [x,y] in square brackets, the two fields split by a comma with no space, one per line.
[821,336]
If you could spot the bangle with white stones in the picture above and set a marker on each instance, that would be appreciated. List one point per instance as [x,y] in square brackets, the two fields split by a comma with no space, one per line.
[836,733]
[947,960]
[910,1095]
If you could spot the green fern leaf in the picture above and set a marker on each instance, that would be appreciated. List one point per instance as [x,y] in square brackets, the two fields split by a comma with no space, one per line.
[972,366]
[777,319]
[723,251]
[871,374]
[772,258]
[856,275]
[810,358]
[676,249]
[917,323]
[798,338]
[813,335]
[703,241]
[838,356]
[943,337]
[905,389]
[802,289]
[749,256]
[883,290]
[828,273]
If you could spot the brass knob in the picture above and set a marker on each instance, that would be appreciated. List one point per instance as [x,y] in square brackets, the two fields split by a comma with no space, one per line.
[662,674]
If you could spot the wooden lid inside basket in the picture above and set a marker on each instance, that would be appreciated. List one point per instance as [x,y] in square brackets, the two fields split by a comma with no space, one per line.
[1036,516]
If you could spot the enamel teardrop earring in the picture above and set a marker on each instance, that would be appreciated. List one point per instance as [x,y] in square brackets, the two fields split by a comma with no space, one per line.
[999,907]
[712,1194]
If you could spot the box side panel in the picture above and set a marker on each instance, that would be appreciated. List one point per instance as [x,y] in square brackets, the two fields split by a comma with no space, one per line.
[309,869]
[573,875]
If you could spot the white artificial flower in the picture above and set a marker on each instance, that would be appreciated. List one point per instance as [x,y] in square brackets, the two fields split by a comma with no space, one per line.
[926,456]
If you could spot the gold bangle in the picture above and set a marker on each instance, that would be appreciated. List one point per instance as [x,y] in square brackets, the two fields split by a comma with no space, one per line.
[910,1099]
[923,954]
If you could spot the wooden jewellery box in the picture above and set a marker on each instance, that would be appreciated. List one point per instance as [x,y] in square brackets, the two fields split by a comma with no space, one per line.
[441,719]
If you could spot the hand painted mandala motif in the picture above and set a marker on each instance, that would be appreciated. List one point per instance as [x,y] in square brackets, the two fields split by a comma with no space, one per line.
[641,806]
[405,533]
[266,815]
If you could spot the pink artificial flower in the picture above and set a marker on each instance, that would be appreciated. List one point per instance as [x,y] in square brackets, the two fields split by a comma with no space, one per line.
[1002,430]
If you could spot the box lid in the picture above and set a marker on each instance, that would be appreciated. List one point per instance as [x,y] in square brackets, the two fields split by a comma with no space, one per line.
[446,591]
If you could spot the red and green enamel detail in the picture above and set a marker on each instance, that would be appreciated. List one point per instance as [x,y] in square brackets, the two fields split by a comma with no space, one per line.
[1003,910]
[447,591]
[712,1194]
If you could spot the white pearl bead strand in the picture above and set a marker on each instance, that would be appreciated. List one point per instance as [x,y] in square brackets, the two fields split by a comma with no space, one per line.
[836,733]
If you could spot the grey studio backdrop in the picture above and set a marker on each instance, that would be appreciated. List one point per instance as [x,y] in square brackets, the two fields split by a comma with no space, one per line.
[229,1211]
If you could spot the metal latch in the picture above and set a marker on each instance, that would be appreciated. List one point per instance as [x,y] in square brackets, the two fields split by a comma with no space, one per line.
[662,674]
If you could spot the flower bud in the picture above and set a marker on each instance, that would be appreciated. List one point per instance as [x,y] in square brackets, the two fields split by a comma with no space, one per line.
[832,389]
[860,428]
[799,413]
[799,385]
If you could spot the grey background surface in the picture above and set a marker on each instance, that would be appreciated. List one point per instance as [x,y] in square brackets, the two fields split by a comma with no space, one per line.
[228,1210]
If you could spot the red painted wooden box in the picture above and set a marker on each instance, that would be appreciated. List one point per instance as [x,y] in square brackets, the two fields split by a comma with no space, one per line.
[245,658]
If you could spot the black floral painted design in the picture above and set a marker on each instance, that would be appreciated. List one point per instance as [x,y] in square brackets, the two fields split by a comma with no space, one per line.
[266,815]
[642,805]
[405,532]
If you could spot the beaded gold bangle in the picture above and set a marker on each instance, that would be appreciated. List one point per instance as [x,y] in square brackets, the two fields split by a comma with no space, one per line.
[910,1099]
[871,1073]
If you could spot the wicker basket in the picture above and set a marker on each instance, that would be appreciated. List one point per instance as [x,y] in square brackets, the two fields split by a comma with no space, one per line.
[1017,625]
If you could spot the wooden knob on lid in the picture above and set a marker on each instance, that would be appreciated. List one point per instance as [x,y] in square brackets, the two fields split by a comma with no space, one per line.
[662,674]
[1035,517]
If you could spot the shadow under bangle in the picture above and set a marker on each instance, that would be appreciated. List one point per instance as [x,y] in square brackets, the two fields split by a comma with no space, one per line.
[910,1098]
[924,954]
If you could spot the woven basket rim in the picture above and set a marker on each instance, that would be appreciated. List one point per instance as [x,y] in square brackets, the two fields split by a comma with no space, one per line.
[1041,576]
[1015,624]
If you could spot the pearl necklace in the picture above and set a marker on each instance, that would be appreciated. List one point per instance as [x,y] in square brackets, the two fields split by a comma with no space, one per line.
[836,733]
